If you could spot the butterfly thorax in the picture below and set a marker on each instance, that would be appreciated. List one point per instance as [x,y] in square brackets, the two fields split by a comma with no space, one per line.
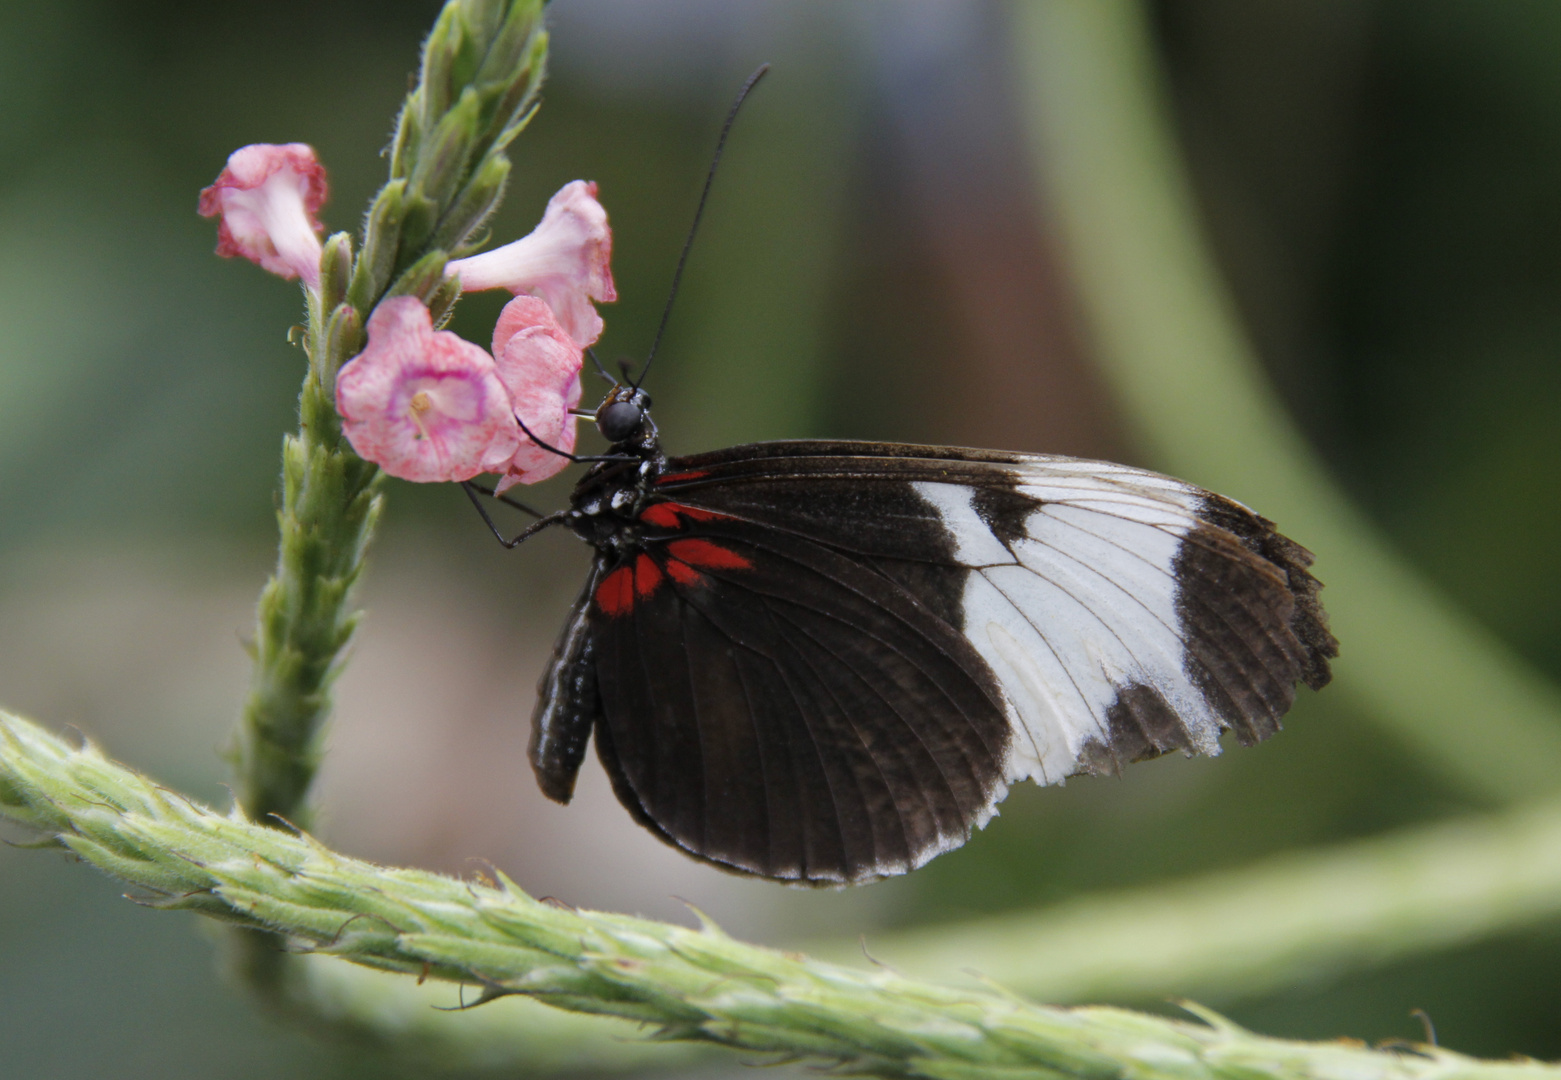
[608,500]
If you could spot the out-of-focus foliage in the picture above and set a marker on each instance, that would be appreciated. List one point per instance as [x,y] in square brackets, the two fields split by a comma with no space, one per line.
[1380,181]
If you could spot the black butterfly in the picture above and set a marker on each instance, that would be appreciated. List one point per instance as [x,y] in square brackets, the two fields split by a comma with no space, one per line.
[824,662]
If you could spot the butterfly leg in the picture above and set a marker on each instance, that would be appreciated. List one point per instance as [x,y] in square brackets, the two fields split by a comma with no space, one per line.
[542,522]
[484,489]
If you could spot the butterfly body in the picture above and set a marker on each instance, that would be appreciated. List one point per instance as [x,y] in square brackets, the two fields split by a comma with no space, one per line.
[824,662]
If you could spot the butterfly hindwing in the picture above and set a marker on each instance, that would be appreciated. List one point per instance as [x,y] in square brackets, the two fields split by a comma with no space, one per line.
[775,706]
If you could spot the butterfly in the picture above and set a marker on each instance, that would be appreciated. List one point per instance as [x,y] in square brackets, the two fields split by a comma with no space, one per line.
[824,663]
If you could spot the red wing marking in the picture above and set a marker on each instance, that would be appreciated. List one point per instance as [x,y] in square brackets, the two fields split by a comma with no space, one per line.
[703,553]
[615,594]
[694,513]
[640,579]
[647,575]
[661,515]
[672,478]
[684,574]
[666,515]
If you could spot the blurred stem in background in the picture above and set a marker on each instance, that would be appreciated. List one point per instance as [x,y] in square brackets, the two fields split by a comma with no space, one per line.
[1166,334]
[1267,926]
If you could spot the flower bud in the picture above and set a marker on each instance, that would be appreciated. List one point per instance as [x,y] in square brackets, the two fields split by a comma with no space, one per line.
[381,238]
[442,160]
[422,279]
[335,271]
[474,205]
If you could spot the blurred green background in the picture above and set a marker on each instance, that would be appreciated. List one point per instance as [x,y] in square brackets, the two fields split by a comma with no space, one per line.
[1379,181]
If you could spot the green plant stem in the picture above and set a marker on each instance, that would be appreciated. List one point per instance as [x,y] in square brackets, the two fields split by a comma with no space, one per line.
[696,985]
[482,64]
[1218,937]
[422,1023]
[1167,336]
[330,505]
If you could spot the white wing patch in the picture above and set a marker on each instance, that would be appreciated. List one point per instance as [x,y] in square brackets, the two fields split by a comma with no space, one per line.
[974,543]
[1078,605]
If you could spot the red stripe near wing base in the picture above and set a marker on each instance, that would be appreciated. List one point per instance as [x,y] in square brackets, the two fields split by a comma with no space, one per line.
[668,515]
[639,580]
[672,478]
[684,574]
[647,575]
[697,552]
[615,594]
[662,516]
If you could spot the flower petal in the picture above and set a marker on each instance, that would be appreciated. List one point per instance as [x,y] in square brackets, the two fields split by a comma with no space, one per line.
[424,405]
[565,260]
[267,196]
[539,365]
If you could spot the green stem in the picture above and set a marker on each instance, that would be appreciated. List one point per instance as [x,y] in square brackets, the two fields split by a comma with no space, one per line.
[482,65]
[693,985]
[1167,335]
[330,505]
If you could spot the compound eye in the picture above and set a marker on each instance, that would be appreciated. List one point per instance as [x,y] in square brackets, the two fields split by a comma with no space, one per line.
[619,420]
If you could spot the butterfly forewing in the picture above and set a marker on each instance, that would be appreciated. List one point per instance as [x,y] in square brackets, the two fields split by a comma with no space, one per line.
[823,662]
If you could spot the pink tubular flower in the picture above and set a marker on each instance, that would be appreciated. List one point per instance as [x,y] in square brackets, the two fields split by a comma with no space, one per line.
[424,405]
[564,261]
[267,197]
[539,365]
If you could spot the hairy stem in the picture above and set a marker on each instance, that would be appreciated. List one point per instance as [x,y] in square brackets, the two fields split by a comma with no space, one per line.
[482,65]
[330,505]
[692,985]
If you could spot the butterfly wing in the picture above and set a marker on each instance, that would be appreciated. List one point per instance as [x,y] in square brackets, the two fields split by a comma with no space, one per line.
[830,659]
[777,707]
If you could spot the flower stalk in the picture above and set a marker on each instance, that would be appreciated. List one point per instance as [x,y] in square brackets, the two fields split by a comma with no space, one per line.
[691,985]
[481,68]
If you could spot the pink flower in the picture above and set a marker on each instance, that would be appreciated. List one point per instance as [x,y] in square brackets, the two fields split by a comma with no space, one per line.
[423,404]
[267,197]
[539,365]
[564,261]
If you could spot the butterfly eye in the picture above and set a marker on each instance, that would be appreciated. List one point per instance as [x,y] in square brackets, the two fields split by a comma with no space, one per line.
[619,420]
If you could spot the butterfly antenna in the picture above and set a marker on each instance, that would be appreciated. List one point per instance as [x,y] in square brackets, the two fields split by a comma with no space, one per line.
[599,368]
[699,212]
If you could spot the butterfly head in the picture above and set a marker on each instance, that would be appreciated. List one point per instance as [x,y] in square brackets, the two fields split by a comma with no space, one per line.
[624,415]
